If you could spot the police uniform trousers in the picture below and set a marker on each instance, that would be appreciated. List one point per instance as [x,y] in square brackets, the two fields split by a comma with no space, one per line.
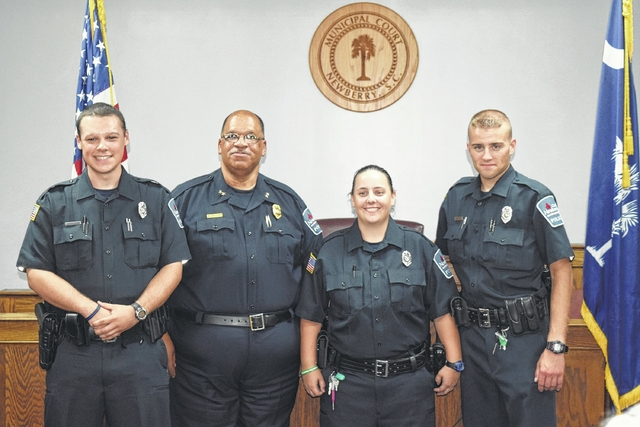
[364,400]
[232,376]
[129,386]
[498,388]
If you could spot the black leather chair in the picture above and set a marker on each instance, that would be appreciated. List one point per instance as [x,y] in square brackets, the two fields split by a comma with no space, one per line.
[330,225]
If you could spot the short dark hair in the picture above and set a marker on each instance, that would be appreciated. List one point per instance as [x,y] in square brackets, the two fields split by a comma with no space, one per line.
[375,168]
[100,109]
[251,112]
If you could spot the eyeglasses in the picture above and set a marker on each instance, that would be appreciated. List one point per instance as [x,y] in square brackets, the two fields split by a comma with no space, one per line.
[249,138]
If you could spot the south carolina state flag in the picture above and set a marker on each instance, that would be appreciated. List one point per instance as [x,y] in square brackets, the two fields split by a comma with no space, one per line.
[95,79]
[611,307]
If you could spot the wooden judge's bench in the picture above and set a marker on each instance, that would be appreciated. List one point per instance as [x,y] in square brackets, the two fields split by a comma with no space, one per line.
[581,403]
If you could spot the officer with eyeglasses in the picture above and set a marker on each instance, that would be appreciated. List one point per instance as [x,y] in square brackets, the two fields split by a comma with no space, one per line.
[236,338]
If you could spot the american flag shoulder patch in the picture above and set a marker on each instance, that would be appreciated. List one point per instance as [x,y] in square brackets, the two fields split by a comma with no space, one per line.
[311,265]
[34,212]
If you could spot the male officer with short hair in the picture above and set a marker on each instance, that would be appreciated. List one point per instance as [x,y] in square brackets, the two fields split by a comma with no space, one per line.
[500,230]
[236,339]
[105,250]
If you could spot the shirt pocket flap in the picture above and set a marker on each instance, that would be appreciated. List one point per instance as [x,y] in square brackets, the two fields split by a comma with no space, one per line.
[506,236]
[69,233]
[215,224]
[409,277]
[140,230]
[454,233]
[337,282]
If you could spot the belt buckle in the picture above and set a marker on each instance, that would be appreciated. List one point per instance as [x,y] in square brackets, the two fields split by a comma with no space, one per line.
[112,339]
[259,322]
[484,318]
[384,365]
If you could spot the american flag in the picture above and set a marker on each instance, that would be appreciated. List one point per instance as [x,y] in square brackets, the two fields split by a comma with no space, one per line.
[95,80]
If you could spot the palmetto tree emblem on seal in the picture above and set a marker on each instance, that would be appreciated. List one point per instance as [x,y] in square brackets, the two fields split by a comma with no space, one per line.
[364,47]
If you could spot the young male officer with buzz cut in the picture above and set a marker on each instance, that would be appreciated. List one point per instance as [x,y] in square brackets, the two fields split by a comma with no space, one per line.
[104,250]
[500,230]
[236,339]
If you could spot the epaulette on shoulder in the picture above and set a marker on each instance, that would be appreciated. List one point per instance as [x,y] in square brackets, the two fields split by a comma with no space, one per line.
[411,229]
[58,186]
[336,234]
[281,186]
[536,186]
[149,181]
[464,180]
[64,183]
[181,188]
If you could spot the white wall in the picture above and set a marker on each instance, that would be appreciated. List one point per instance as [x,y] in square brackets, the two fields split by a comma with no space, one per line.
[182,66]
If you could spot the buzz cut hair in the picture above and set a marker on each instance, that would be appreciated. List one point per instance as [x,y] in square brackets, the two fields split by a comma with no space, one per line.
[490,119]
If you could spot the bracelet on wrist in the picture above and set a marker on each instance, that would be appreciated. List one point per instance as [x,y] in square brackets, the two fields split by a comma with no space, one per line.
[306,371]
[94,313]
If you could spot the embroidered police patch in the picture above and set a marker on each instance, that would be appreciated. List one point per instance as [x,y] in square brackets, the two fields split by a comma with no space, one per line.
[174,211]
[549,210]
[438,258]
[311,223]
[311,265]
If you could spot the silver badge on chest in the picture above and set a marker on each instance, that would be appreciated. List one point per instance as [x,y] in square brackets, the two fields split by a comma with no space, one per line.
[507,211]
[406,258]
[142,209]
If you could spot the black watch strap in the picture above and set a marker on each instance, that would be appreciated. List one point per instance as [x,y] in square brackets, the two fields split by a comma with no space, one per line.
[557,347]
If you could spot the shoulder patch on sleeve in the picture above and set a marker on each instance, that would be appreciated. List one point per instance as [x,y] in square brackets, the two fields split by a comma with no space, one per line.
[34,212]
[549,210]
[311,223]
[176,213]
[311,264]
[441,262]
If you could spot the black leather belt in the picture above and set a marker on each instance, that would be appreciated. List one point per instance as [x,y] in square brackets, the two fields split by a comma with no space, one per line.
[488,317]
[257,322]
[497,317]
[415,359]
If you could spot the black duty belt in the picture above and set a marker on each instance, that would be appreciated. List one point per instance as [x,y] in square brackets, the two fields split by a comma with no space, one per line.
[414,360]
[130,336]
[257,322]
[497,317]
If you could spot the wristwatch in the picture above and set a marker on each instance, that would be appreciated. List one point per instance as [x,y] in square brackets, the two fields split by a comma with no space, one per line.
[558,347]
[140,311]
[456,366]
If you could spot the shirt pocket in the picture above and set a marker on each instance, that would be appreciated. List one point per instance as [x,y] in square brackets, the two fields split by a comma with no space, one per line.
[407,287]
[504,248]
[455,244]
[141,245]
[345,292]
[73,249]
[216,237]
[280,242]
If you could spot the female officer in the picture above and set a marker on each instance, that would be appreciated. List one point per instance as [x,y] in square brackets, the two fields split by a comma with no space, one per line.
[378,284]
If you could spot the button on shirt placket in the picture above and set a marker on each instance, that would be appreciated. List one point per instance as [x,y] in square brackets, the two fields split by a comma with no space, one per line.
[378,283]
[252,263]
[107,239]
[476,237]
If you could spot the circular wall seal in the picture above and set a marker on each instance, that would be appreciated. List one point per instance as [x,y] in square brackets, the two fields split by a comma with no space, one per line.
[363,57]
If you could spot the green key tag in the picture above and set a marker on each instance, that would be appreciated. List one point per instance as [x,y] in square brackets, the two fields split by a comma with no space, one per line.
[502,340]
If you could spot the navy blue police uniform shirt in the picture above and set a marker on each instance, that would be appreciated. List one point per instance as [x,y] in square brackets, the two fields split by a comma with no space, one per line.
[500,241]
[125,241]
[381,297]
[249,248]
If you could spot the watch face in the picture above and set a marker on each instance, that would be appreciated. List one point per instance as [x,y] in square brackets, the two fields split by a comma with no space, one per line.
[557,347]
